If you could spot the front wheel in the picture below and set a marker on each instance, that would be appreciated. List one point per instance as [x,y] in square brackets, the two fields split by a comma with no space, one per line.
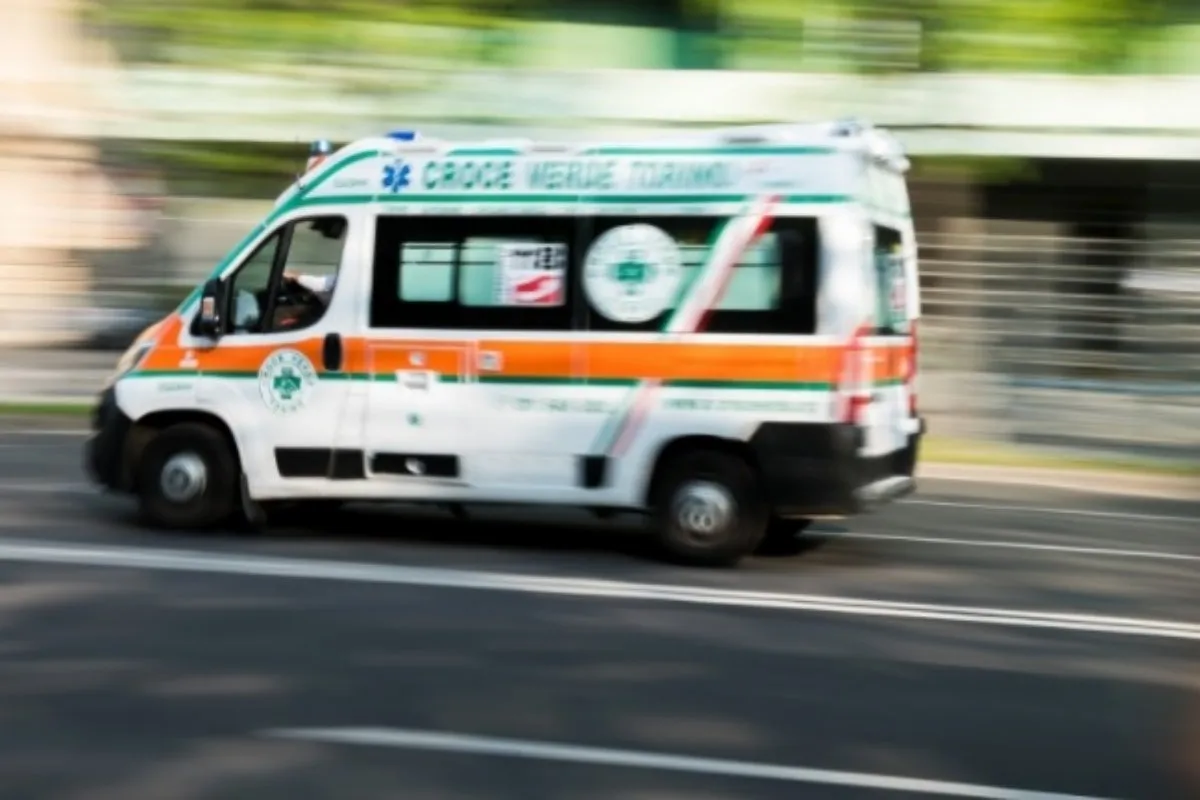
[709,509]
[187,478]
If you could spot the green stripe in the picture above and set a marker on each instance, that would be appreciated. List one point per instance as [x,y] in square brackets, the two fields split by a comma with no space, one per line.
[607,199]
[523,380]
[548,198]
[333,199]
[391,377]
[733,150]
[502,380]
[788,386]
[485,151]
[334,169]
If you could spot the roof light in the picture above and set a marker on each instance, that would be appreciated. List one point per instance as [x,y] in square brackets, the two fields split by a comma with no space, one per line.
[318,151]
[402,136]
[848,127]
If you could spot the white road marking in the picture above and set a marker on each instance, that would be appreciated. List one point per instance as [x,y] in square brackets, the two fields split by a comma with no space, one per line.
[1069,512]
[640,759]
[1009,545]
[32,432]
[9,445]
[312,569]
[48,487]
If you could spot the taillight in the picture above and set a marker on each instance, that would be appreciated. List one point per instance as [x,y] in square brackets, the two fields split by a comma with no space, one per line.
[855,379]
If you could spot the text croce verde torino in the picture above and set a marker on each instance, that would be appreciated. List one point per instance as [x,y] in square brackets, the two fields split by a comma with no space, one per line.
[580,175]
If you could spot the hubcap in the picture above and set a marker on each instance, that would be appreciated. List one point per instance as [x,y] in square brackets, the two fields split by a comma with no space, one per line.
[183,478]
[703,510]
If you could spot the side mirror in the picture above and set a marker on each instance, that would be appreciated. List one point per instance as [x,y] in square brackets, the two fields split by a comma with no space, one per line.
[212,302]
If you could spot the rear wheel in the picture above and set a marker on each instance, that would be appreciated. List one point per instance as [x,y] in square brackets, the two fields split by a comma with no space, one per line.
[709,509]
[187,478]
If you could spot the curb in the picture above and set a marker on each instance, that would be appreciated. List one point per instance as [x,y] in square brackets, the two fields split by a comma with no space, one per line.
[1099,481]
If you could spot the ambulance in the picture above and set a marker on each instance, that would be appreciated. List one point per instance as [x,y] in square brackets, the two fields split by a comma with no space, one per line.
[717,330]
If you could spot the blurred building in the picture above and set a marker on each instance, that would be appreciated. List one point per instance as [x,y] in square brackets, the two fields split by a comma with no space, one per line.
[56,202]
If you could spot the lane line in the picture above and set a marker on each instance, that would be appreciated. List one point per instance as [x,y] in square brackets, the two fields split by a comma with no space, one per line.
[1010,545]
[311,569]
[34,432]
[467,744]
[1069,512]
[49,487]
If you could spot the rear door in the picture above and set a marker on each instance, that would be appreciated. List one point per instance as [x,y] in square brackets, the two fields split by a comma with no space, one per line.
[419,426]
[888,347]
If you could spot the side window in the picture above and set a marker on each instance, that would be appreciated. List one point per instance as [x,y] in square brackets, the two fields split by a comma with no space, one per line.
[891,291]
[637,272]
[288,282]
[250,288]
[499,273]
[427,272]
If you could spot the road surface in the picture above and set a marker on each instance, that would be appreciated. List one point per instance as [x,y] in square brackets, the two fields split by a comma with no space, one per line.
[392,654]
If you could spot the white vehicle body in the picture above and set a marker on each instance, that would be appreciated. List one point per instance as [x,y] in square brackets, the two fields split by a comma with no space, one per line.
[550,324]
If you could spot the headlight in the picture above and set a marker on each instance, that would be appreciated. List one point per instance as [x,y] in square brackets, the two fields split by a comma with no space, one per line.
[130,360]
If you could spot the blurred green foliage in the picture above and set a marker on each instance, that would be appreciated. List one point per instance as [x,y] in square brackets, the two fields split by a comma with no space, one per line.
[871,35]
[1063,36]
[405,42]
[334,32]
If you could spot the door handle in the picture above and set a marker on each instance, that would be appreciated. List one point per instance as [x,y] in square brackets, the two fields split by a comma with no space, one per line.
[332,353]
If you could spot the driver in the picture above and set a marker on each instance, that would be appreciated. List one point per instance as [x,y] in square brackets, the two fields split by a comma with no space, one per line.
[321,285]
[319,289]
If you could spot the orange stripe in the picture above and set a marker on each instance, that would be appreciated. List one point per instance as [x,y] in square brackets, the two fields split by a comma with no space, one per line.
[385,357]
[561,359]
[700,362]
[547,359]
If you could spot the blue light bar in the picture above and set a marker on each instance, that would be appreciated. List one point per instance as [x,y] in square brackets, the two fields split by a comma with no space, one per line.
[321,147]
[402,136]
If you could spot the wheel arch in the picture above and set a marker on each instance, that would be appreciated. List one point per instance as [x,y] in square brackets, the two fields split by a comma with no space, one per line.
[672,449]
[145,428]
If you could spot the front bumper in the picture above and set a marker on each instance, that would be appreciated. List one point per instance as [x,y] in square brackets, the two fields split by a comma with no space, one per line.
[104,452]
[814,470]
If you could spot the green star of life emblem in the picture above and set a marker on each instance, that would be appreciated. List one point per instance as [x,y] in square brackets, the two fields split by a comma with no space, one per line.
[632,272]
[286,383]
[284,380]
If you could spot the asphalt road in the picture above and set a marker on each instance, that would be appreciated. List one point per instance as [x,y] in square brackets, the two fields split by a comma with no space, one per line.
[396,654]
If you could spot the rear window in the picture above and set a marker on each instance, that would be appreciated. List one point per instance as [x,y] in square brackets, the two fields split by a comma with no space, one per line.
[891,283]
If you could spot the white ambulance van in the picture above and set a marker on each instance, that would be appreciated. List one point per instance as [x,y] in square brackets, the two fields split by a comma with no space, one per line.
[719,330]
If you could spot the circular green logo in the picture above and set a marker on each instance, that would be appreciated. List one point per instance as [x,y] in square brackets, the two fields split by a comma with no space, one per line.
[286,380]
[632,273]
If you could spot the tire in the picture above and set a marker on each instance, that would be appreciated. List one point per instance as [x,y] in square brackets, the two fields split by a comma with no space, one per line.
[713,485]
[188,450]
[782,536]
